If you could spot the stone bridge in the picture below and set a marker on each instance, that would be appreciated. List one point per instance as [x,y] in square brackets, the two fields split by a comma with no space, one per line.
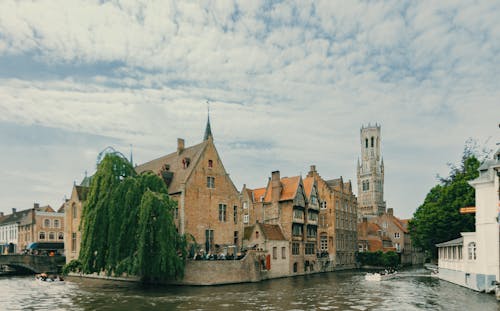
[34,263]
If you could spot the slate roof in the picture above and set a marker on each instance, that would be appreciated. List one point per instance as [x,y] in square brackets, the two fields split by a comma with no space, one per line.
[173,162]
[334,183]
[15,217]
[308,185]
[82,192]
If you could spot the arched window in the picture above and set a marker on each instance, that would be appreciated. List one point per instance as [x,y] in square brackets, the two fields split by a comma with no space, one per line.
[41,235]
[73,210]
[52,235]
[56,223]
[366,142]
[472,251]
[46,223]
[60,236]
[372,141]
[210,163]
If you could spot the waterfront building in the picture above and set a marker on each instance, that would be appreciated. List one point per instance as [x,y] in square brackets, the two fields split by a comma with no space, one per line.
[284,203]
[370,173]
[72,217]
[269,240]
[399,236]
[337,233]
[208,203]
[371,238]
[38,224]
[473,260]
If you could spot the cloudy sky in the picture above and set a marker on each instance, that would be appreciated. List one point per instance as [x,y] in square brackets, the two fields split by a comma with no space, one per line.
[290,85]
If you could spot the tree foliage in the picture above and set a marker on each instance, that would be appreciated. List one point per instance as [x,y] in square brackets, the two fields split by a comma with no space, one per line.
[379,259]
[438,219]
[117,228]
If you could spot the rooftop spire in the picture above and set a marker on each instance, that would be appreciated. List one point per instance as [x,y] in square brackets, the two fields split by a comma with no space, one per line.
[208,130]
[131,158]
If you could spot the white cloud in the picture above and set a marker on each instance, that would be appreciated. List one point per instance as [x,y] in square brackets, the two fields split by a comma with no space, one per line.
[301,77]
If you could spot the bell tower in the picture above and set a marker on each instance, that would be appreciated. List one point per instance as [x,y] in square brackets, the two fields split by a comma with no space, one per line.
[371,173]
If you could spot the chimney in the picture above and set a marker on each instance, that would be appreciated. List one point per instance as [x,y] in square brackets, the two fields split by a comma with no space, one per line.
[180,145]
[390,211]
[275,186]
[36,205]
[13,210]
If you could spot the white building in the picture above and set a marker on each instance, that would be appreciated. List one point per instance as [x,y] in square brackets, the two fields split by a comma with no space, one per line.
[9,230]
[473,260]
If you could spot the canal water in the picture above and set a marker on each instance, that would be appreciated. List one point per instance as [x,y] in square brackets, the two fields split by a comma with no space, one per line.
[328,291]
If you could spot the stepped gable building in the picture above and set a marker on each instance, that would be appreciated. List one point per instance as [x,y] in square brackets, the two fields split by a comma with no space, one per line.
[370,173]
[284,203]
[208,202]
[337,229]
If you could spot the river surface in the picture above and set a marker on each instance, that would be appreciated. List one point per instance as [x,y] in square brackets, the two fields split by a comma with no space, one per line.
[327,291]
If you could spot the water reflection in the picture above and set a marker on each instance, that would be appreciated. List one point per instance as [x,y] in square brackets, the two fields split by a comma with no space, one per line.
[330,291]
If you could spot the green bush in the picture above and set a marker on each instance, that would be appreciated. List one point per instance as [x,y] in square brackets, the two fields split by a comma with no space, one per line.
[73,266]
[379,259]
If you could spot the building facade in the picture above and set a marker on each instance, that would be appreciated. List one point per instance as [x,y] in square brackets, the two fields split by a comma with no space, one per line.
[208,203]
[337,224]
[284,203]
[72,217]
[370,173]
[38,224]
[473,260]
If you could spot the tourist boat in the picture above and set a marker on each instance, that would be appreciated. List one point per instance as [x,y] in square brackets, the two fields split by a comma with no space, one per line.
[44,278]
[380,276]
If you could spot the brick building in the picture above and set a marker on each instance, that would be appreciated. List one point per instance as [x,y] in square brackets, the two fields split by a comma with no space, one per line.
[284,202]
[208,203]
[72,217]
[337,233]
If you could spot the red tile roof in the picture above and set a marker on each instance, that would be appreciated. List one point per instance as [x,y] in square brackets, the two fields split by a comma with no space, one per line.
[290,186]
[258,193]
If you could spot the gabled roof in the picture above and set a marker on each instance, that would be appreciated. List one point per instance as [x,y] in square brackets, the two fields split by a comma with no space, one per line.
[398,224]
[258,193]
[82,192]
[173,163]
[334,183]
[46,208]
[308,186]
[290,186]
[270,232]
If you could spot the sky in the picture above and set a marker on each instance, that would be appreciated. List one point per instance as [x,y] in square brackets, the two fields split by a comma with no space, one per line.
[290,84]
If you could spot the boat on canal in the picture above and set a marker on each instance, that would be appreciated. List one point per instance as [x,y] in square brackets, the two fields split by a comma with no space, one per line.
[44,278]
[380,276]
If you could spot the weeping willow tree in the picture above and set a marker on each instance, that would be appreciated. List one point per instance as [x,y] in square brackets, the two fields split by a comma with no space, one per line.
[161,251]
[113,224]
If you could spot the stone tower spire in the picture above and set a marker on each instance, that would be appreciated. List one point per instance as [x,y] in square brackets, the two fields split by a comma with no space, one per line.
[371,172]
[208,130]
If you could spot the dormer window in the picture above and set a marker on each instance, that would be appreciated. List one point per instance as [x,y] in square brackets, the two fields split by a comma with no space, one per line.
[210,163]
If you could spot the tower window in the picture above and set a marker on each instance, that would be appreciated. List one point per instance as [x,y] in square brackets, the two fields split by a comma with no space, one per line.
[366,142]
[372,141]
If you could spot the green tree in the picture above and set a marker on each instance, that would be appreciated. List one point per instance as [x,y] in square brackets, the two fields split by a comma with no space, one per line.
[118,231]
[161,251]
[438,219]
